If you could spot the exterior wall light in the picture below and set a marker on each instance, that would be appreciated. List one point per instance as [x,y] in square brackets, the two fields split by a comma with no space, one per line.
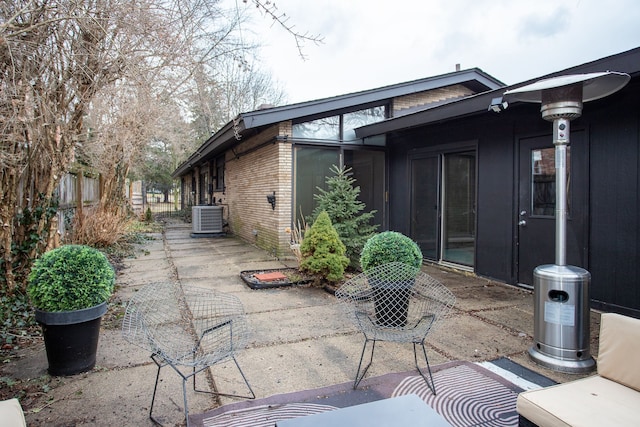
[271,198]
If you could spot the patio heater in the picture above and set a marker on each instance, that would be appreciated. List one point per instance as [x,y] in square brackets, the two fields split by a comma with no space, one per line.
[561,291]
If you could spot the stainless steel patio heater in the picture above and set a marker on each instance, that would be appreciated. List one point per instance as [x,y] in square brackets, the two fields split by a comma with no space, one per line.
[561,291]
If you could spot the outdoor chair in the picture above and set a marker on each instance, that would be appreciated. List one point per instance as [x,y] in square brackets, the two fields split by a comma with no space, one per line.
[398,303]
[186,327]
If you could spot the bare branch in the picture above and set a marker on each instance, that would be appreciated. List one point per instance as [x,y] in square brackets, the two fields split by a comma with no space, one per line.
[270,9]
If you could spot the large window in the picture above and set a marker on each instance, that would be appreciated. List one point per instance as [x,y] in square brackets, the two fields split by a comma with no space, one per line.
[313,165]
[368,168]
[311,168]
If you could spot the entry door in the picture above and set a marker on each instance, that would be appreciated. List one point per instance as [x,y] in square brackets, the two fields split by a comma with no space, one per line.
[537,199]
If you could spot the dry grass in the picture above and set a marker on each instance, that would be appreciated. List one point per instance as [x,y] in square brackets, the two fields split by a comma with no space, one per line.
[297,235]
[98,228]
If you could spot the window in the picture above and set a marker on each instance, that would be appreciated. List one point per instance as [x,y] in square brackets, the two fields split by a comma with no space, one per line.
[354,120]
[340,127]
[324,128]
[312,166]
[219,173]
[202,190]
[543,170]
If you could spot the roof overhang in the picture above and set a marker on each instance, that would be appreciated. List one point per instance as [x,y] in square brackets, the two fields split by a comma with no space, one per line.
[627,62]
[253,121]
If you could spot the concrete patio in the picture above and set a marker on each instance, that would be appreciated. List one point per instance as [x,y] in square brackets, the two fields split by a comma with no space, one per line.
[299,339]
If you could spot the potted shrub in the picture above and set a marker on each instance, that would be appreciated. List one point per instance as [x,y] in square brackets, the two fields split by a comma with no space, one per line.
[69,288]
[391,286]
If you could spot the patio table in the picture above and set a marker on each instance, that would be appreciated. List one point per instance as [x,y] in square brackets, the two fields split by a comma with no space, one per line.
[402,411]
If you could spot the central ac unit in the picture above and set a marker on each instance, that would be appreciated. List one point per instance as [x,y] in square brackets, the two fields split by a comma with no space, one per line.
[207,219]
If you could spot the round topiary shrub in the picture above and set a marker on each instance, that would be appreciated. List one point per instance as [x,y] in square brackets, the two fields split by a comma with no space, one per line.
[71,277]
[390,246]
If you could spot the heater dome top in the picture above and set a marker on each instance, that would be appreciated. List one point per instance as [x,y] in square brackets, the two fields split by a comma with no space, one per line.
[594,86]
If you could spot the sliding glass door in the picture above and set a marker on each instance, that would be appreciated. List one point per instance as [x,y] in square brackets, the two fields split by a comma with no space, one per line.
[459,205]
[443,206]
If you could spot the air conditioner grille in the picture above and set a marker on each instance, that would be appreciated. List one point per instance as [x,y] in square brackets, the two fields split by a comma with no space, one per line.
[207,219]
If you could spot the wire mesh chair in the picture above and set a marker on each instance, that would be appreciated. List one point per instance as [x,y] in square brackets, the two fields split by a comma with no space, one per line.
[186,326]
[398,303]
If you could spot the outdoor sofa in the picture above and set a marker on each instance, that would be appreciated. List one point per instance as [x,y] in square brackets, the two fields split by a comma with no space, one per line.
[609,398]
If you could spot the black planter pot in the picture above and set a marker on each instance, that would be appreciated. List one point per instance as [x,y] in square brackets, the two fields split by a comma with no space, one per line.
[71,338]
[391,301]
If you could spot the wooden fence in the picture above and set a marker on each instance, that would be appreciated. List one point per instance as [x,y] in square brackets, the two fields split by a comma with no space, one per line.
[76,191]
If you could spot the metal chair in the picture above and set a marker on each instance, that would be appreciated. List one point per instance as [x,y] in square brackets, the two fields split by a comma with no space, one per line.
[186,327]
[398,303]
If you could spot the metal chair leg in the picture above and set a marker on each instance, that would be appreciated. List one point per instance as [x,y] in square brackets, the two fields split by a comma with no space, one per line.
[155,388]
[251,396]
[430,383]
[359,376]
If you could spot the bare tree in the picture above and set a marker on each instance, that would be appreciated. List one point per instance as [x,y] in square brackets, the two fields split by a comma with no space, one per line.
[89,80]
[54,56]
[227,90]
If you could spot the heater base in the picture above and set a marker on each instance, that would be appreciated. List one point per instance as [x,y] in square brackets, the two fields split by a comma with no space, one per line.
[562,365]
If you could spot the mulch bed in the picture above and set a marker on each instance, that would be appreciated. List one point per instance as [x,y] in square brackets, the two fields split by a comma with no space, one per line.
[292,277]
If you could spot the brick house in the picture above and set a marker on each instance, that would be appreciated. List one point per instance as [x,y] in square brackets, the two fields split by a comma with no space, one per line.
[286,152]
[475,189]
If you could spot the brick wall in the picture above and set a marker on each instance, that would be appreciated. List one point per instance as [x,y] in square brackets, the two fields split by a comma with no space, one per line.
[262,166]
[428,97]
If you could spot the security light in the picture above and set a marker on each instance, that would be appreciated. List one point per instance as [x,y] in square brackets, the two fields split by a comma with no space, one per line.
[498,104]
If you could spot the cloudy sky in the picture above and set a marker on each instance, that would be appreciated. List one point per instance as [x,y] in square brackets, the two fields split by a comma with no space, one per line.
[372,43]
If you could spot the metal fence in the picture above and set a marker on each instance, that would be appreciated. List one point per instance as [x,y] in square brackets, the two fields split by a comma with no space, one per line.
[162,204]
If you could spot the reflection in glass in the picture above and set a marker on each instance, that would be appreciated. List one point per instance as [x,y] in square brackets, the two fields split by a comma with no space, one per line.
[543,192]
[311,167]
[424,205]
[324,128]
[368,171]
[459,208]
[361,118]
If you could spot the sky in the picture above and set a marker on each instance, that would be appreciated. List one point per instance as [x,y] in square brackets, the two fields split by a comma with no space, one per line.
[368,44]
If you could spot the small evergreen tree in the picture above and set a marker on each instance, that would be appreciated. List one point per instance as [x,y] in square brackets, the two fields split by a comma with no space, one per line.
[341,203]
[322,251]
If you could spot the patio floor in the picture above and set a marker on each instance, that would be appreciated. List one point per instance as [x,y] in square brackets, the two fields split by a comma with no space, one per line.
[300,339]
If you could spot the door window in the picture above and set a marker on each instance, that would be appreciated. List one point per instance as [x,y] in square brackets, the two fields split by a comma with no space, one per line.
[543,182]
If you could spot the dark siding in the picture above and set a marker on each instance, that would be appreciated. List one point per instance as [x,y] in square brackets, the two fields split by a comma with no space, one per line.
[495,213]
[494,252]
[615,206]
[612,126]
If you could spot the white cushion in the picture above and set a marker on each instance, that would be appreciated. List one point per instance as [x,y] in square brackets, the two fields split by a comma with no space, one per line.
[11,414]
[619,349]
[591,401]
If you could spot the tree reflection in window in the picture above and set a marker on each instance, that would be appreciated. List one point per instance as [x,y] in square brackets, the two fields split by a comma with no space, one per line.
[328,128]
[543,181]
[354,120]
[324,128]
